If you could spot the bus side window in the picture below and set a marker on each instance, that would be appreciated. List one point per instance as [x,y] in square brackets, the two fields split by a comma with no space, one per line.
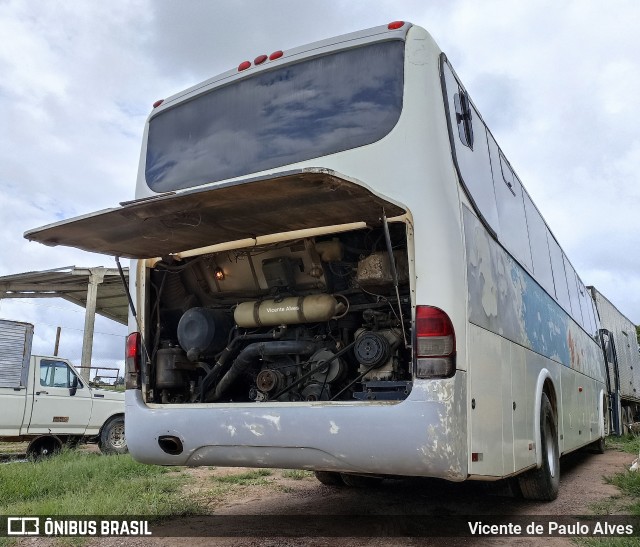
[507,174]
[588,321]
[464,118]
[539,245]
[470,142]
[574,295]
[514,234]
[559,275]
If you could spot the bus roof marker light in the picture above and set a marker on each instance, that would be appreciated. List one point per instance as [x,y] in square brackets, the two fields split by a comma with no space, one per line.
[260,59]
[158,103]
[395,25]
[276,55]
[244,66]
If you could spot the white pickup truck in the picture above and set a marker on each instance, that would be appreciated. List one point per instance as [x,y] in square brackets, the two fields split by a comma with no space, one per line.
[44,400]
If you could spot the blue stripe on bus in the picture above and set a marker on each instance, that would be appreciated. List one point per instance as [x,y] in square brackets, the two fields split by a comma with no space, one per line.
[505,299]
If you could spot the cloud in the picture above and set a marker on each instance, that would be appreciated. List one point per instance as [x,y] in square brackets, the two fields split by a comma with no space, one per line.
[568,72]
[556,83]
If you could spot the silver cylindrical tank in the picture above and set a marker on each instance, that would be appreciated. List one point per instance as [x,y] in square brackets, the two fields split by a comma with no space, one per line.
[288,311]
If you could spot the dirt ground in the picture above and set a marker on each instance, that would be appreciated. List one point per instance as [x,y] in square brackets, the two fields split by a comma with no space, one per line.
[583,490]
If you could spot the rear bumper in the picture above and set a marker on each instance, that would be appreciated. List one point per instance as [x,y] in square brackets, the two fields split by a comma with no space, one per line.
[425,435]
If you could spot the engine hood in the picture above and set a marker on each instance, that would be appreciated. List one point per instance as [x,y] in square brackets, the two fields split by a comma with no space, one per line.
[178,222]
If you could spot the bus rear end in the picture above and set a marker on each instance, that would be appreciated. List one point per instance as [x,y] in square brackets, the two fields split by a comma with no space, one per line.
[304,352]
[282,319]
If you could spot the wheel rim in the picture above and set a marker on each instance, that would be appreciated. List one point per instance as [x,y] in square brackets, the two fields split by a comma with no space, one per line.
[551,448]
[116,436]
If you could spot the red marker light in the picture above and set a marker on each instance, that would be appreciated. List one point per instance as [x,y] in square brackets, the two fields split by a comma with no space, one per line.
[395,25]
[133,358]
[276,55]
[244,66]
[158,103]
[259,60]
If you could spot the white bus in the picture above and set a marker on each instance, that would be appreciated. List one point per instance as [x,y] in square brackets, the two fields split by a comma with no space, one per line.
[335,268]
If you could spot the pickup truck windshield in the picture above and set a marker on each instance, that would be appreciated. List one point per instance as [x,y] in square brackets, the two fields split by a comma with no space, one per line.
[309,109]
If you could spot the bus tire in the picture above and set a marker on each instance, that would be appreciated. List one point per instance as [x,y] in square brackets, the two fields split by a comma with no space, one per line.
[542,484]
[360,481]
[112,438]
[329,478]
[599,447]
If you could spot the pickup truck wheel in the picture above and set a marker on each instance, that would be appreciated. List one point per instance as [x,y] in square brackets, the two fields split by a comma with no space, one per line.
[112,439]
[43,447]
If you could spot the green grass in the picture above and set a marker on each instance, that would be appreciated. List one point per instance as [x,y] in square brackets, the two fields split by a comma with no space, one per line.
[296,474]
[610,542]
[77,483]
[629,504]
[250,478]
[627,443]
[629,483]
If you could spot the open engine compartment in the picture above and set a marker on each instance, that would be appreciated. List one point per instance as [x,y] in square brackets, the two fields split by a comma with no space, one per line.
[316,319]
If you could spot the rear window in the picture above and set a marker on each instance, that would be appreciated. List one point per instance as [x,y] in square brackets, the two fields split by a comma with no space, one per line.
[294,113]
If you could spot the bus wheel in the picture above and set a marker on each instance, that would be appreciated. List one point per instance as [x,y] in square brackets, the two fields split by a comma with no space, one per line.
[329,478]
[112,439]
[360,481]
[542,484]
[599,447]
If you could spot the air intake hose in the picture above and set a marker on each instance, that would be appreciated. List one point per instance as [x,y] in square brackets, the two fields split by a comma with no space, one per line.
[253,351]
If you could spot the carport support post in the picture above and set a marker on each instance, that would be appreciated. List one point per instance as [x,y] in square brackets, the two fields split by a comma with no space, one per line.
[95,278]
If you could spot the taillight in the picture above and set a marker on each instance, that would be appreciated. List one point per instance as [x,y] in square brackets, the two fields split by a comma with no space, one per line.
[435,343]
[132,361]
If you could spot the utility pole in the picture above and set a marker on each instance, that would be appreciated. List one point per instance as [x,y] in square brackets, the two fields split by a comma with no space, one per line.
[57,346]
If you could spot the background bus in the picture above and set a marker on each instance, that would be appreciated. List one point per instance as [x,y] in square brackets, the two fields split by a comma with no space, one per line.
[337,269]
[621,353]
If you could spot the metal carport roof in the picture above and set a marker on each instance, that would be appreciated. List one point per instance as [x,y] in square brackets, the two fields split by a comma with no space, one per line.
[71,283]
[98,290]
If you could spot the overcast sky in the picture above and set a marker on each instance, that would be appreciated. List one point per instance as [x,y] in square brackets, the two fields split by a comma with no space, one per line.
[558,83]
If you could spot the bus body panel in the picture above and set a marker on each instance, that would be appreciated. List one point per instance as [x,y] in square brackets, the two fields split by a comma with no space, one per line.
[421,184]
[423,435]
[504,300]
